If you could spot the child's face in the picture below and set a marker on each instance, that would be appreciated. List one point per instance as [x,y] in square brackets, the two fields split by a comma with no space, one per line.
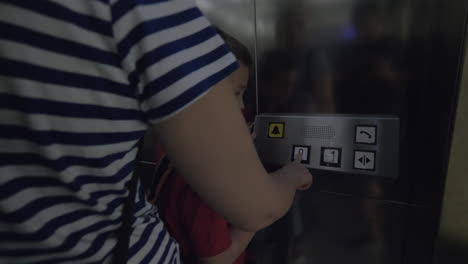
[241,78]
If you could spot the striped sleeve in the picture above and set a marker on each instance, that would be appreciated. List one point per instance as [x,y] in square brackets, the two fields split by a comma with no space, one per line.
[171,53]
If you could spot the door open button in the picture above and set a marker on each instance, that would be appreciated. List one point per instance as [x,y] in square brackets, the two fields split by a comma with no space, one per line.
[366,135]
[364,160]
[301,151]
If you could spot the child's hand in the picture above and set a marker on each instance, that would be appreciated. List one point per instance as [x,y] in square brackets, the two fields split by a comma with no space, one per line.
[297,160]
[295,174]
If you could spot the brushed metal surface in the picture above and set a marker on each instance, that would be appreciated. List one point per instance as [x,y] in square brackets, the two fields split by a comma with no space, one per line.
[334,132]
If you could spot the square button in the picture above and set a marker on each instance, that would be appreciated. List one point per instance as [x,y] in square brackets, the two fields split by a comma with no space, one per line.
[305,156]
[364,160]
[366,134]
[330,157]
[276,130]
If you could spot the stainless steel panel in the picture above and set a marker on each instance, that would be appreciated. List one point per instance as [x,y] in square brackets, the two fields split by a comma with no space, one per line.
[336,134]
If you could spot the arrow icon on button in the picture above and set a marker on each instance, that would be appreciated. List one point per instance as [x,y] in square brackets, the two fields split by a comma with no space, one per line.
[364,160]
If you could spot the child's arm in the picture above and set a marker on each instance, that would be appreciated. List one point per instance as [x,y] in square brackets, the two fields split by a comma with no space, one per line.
[210,145]
[239,242]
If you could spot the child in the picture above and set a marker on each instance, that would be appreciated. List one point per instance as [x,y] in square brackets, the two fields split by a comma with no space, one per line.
[203,235]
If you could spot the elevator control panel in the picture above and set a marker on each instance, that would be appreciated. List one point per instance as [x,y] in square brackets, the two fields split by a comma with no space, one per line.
[355,144]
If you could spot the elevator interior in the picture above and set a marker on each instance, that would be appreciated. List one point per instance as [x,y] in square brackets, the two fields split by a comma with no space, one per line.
[328,69]
[389,65]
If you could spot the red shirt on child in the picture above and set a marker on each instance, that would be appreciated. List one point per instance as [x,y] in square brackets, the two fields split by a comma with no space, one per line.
[199,230]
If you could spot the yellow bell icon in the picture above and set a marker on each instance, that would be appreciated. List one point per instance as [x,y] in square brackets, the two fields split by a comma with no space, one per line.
[276,130]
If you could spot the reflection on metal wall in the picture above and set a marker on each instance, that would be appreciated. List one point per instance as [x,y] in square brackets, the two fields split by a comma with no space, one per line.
[345,56]
[397,57]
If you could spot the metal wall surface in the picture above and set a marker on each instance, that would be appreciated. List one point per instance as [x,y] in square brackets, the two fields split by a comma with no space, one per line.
[398,57]
[339,56]
[327,228]
[345,56]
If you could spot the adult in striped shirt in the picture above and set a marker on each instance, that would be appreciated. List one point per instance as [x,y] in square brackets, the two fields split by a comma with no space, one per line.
[80,83]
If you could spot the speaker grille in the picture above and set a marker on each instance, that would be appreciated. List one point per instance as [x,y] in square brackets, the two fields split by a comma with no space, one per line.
[320,132]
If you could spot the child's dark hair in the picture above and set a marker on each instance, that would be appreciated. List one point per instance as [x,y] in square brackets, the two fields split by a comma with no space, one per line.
[237,48]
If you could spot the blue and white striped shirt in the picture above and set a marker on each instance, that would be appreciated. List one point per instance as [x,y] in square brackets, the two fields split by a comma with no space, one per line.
[80,82]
